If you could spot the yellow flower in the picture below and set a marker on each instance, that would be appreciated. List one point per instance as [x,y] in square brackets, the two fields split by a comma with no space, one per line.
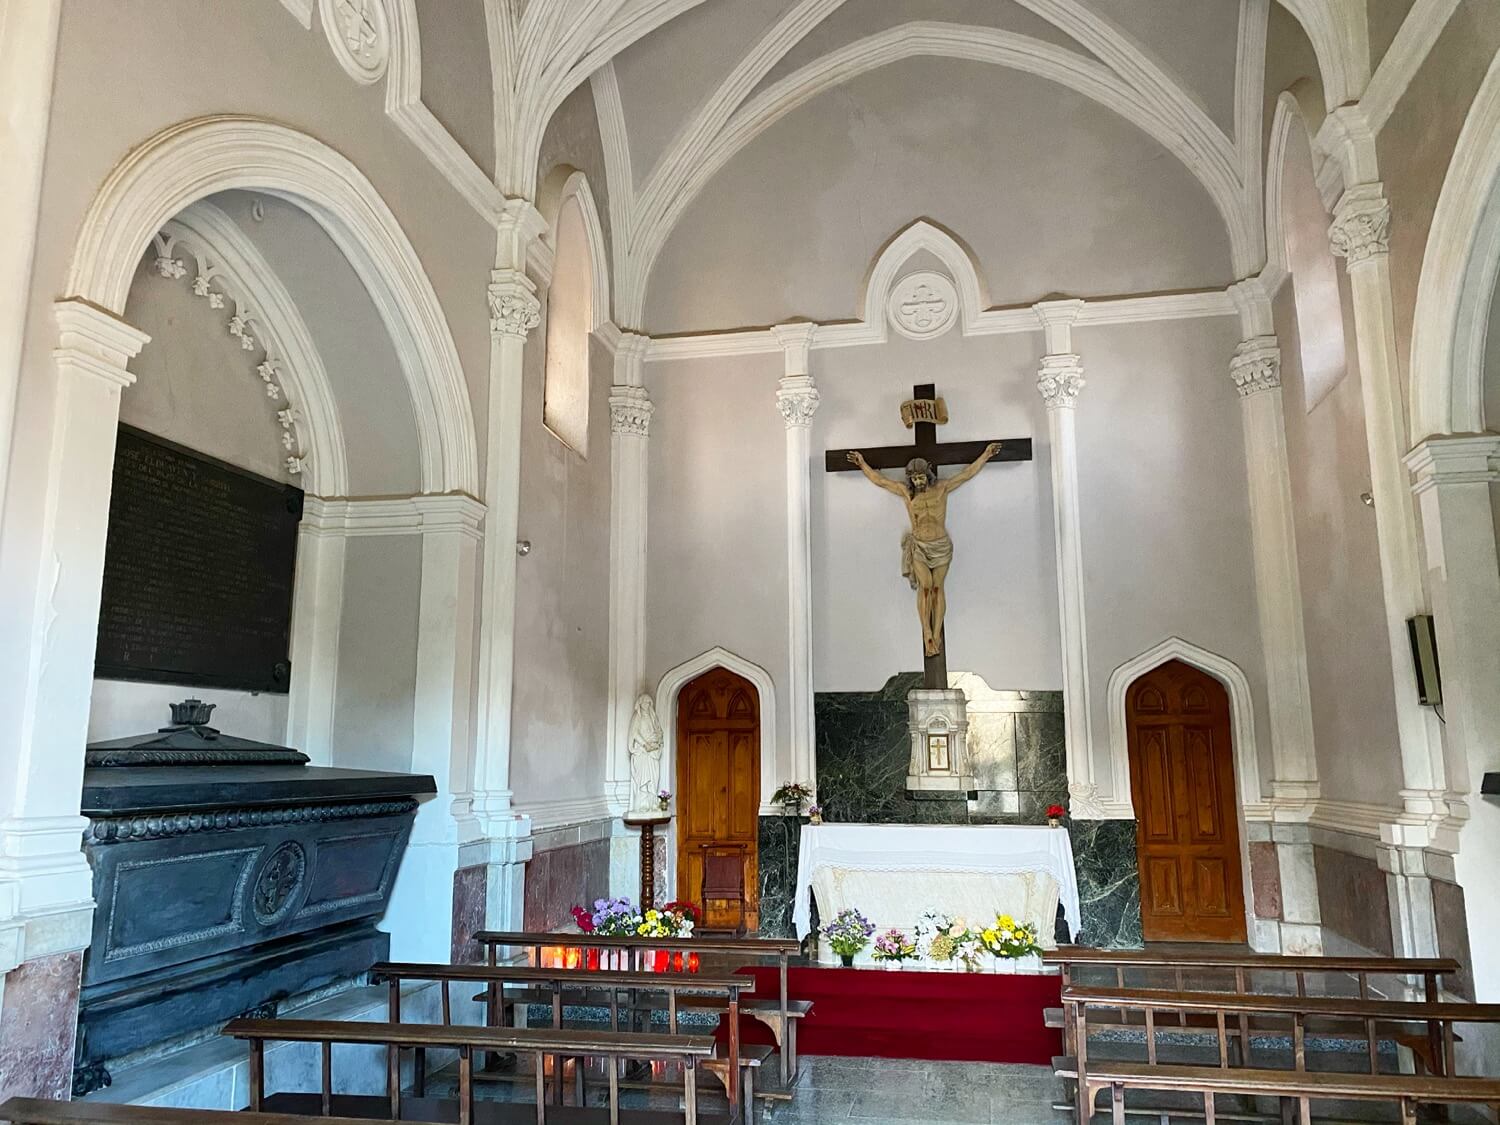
[1006,922]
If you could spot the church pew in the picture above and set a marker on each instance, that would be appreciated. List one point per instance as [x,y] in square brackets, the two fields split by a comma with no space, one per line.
[43,1111]
[780,1016]
[1295,1089]
[1239,971]
[1278,1015]
[540,1043]
[560,987]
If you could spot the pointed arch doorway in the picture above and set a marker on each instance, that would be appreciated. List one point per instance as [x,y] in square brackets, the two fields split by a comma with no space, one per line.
[1183,789]
[718,783]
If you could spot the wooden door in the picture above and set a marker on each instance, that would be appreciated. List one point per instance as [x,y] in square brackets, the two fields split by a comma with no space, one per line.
[1182,784]
[718,783]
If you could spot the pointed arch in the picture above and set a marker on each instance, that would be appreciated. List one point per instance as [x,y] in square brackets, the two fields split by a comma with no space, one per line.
[675,679]
[1459,269]
[920,236]
[1241,708]
[566,183]
[186,162]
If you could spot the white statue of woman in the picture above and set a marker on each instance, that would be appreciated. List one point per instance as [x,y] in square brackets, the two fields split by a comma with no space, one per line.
[645,758]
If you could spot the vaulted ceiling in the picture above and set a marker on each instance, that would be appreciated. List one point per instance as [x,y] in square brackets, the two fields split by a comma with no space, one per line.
[682,86]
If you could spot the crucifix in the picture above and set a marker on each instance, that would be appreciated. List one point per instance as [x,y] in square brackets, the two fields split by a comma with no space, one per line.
[926,549]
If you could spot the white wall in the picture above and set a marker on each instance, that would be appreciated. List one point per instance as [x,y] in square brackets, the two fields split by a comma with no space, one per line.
[373,703]
[716,554]
[1348,648]
[1002,588]
[562,601]
[1164,505]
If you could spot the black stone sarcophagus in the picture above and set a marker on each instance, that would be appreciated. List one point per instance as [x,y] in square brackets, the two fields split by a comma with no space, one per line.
[228,875]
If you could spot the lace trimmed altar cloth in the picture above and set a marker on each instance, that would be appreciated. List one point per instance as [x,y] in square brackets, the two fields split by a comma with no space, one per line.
[893,872]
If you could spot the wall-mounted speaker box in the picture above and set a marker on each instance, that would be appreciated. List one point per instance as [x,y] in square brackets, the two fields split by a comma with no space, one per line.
[1424,658]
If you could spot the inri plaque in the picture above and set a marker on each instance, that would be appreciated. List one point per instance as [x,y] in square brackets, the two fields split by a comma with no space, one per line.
[198,570]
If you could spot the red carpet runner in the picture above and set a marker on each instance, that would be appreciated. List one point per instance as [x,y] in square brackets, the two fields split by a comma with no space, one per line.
[961,1017]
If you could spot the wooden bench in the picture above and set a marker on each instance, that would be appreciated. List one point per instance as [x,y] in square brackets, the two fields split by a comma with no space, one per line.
[1283,1015]
[1239,971]
[1241,967]
[1295,1089]
[780,1016]
[41,1111]
[559,987]
[541,1043]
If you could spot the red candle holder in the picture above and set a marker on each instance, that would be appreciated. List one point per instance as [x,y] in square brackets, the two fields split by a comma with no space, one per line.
[692,962]
[593,960]
[661,961]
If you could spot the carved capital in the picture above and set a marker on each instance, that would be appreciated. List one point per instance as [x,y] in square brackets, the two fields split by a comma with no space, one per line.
[1059,381]
[514,308]
[797,399]
[1084,802]
[630,411]
[1361,224]
[1256,366]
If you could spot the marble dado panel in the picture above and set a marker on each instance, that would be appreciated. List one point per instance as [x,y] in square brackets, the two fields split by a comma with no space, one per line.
[1453,933]
[469,891]
[1017,755]
[1109,886]
[1353,899]
[560,878]
[37,1027]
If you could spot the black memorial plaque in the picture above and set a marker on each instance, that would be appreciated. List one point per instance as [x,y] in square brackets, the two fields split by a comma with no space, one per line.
[198,570]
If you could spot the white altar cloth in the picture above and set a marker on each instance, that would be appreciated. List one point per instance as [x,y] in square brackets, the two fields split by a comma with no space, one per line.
[999,849]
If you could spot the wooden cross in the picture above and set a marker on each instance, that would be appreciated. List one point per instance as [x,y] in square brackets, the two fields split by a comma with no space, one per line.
[925,413]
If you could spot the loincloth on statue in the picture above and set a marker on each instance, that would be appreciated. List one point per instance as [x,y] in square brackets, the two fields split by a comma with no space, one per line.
[934,553]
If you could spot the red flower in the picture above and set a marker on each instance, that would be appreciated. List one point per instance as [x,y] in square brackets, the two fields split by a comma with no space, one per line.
[686,909]
[1056,811]
[584,919]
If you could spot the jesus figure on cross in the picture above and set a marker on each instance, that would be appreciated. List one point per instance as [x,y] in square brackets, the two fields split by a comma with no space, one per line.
[927,549]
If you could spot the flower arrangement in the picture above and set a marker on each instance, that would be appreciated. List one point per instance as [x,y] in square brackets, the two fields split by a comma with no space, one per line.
[612,917]
[944,939]
[664,799]
[664,924]
[1055,814]
[1011,939]
[849,933]
[791,797]
[815,813]
[893,947]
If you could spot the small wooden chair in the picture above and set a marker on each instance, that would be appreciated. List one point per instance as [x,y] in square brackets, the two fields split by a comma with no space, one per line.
[723,897]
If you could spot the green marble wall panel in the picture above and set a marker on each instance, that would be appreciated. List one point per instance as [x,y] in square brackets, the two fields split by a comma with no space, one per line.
[1018,758]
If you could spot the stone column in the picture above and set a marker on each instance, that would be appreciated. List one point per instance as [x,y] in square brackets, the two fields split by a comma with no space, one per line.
[797,399]
[317,612]
[1059,381]
[28,52]
[442,735]
[630,412]
[51,573]
[1256,371]
[493,833]
[1452,481]
[1360,235]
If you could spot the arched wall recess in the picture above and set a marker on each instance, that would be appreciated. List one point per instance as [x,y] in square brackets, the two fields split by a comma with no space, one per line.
[231,268]
[1457,282]
[186,162]
[564,184]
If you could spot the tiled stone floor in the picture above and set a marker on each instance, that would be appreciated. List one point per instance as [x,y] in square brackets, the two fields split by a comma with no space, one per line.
[908,1092]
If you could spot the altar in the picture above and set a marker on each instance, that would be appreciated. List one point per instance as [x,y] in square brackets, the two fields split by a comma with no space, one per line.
[891,873]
